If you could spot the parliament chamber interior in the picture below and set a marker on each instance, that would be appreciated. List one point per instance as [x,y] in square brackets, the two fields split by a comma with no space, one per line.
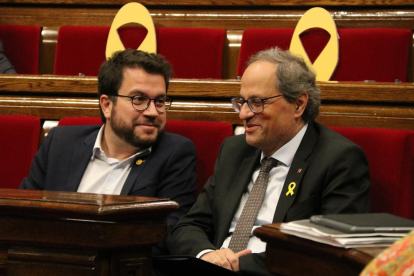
[57,47]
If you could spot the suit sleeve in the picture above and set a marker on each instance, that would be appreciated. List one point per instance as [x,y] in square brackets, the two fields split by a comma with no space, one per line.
[178,179]
[195,231]
[348,183]
[37,176]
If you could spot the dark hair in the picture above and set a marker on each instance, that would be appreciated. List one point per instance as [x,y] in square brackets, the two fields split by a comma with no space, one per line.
[294,78]
[112,71]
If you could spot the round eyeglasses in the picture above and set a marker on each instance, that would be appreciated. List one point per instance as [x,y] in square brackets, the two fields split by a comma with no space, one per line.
[255,104]
[142,102]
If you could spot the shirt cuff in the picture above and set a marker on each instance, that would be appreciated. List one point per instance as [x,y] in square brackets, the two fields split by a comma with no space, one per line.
[199,255]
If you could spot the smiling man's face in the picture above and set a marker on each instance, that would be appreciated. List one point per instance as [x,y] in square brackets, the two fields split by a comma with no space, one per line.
[138,128]
[276,125]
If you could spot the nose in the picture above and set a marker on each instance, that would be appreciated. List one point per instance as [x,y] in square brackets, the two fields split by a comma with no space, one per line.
[245,112]
[151,110]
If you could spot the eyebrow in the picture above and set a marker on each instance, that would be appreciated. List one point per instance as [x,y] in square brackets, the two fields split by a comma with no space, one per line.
[138,92]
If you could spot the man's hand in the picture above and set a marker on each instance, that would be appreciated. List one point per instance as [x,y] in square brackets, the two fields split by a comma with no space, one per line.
[225,258]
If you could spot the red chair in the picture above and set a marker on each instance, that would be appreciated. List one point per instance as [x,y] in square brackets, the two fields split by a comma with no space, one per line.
[21,46]
[19,136]
[206,136]
[364,54]
[193,52]
[390,156]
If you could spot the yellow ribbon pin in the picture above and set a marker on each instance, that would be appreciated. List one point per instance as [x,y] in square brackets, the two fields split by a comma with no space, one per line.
[139,162]
[291,187]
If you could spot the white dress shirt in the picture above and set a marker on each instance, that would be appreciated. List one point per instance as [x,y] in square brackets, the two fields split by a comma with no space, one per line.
[105,175]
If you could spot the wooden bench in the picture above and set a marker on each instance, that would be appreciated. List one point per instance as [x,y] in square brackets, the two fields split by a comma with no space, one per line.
[357,104]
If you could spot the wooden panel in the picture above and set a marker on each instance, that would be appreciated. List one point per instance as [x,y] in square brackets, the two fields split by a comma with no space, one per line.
[229,19]
[222,2]
[375,105]
[79,234]
[183,88]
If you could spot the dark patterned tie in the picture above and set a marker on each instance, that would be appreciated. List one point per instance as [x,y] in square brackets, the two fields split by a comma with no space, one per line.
[244,226]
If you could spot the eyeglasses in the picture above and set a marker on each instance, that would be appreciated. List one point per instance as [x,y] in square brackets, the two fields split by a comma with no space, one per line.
[142,102]
[255,104]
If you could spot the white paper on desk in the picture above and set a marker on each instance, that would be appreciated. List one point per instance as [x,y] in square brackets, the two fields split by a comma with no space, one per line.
[306,229]
[319,230]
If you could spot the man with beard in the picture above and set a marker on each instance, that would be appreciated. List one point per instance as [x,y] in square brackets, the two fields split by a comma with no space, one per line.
[130,154]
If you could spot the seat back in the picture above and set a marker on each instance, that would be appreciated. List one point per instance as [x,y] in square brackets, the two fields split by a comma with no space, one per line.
[206,136]
[192,52]
[80,50]
[21,46]
[364,54]
[19,136]
[390,156]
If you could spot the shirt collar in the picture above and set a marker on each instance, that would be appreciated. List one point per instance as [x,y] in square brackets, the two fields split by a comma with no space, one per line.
[99,153]
[286,153]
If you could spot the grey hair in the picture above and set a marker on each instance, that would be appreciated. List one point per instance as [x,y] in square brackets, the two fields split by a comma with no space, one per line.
[294,78]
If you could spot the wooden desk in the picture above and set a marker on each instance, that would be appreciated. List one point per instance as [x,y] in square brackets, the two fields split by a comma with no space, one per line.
[291,255]
[60,233]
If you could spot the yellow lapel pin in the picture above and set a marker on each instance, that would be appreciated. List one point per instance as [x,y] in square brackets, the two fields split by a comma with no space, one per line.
[139,162]
[291,188]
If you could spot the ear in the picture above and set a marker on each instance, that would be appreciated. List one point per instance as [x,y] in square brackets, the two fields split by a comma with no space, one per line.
[106,106]
[301,103]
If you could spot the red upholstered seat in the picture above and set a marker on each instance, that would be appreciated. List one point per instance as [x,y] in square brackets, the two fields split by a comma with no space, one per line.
[364,54]
[390,155]
[206,136]
[19,137]
[193,52]
[80,50]
[21,46]
[255,40]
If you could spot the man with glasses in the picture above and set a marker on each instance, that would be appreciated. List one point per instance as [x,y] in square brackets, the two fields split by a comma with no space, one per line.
[131,154]
[285,167]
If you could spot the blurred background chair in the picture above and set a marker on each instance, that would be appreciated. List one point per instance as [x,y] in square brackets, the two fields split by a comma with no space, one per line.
[21,46]
[390,154]
[192,52]
[19,137]
[364,54]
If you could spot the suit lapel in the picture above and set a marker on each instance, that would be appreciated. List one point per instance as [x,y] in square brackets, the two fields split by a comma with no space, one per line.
[237,188]
[81,157]
[137,168]
[294,177]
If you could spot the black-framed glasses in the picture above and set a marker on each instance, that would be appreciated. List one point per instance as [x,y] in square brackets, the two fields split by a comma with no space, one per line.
[255,104]
[141,102]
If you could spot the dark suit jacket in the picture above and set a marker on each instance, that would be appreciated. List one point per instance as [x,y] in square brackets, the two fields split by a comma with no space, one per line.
[168,171]
[331,175]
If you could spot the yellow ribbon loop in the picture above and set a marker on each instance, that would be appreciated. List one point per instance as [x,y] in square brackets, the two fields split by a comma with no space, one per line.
[291,187]
[131,13]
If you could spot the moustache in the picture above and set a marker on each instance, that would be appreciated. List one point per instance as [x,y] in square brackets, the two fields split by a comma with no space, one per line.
[148,122]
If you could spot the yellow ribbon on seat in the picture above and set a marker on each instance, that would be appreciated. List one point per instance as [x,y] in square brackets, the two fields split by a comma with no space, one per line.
[131,13]
[326,62]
